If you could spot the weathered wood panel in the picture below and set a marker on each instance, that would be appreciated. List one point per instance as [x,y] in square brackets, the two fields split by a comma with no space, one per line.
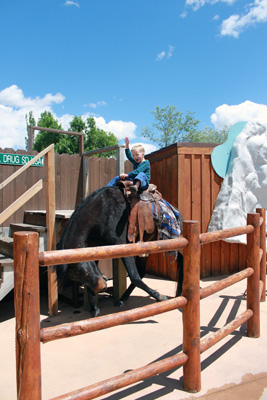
[193,190]
[68,184]
[183,174]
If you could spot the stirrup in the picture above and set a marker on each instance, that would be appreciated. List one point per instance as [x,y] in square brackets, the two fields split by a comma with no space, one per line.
[133,189]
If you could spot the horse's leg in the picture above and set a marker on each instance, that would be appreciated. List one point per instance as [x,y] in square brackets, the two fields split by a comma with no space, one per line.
[125,296]
[90,302]
[141,267]
[135,278]
[180,274]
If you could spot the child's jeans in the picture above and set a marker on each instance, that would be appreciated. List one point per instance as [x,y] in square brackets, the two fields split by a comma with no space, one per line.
[141,177]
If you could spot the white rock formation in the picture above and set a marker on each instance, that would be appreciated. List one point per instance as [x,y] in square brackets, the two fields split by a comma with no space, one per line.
[245,185]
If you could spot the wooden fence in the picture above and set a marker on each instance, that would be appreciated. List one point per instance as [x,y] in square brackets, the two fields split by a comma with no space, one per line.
[185,176]
[29,335]
[68,176]
[68,179]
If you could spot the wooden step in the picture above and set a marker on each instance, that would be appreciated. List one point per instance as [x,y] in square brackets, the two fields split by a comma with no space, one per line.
[6,275]
[41,230]
[26,227]
[38,217]
[35,217]
[6,246]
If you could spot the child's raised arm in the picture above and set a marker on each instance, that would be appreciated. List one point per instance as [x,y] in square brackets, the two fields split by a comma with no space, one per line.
[127,142]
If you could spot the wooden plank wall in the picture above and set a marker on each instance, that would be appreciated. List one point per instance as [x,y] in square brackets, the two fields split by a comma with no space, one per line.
[68,178]
[164,174]
[68,184]
[184,175]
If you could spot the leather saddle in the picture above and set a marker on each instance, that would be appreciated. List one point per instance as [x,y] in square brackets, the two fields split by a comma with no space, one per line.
[141,215]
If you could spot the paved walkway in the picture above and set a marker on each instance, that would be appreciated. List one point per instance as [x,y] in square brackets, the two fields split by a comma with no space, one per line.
[235,368]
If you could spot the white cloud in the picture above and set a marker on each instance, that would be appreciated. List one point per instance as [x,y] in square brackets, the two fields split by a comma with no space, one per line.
[97,104]
[255,13]
[120,129]
[14,97]
[196,4]
[167,54]
[14,106]
[226,115]
[72,3]
[183,14]
[160,56]
[236,24]
[170,52]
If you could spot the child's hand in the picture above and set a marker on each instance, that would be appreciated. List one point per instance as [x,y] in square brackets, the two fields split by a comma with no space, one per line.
[123,176]
[127,142]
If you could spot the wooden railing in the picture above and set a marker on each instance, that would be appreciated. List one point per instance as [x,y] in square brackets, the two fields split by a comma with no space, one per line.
[49,186]
[27,309]
[31,130]
[119,163]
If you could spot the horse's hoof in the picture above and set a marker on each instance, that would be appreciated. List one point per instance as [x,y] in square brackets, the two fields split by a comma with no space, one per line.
[95,312]
[119,303]
[162,297]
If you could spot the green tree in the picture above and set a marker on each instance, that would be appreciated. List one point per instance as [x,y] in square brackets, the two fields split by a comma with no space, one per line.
[170,126]
[209,135]
[43,138]
[68,143]
[96,138]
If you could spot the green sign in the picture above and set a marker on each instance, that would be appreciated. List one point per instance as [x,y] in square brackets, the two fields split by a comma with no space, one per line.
[19,159]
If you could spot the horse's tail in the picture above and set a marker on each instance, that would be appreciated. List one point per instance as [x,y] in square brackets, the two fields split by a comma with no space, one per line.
[61,275]
[62,268]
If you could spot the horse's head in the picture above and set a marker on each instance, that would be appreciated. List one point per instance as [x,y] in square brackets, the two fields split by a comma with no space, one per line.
[86,273]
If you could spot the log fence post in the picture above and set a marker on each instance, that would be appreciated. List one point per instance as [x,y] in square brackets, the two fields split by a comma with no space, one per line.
[51,231]
[191,312]
[261,211]
[27,314]
[253,285]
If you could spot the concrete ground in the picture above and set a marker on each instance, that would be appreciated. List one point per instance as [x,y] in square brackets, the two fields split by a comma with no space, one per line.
[235,368]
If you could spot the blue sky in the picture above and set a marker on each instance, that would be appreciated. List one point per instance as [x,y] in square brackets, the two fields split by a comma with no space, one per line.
[118,60]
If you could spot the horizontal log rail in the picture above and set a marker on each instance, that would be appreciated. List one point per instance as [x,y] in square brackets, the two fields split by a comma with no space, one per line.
[226,282]
[103,252]
[120,381]
[190,303]
[221,333]
[99,323]
[215,236]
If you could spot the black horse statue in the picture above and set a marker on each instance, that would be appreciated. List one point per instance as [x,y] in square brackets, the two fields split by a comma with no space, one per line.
[102,219]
